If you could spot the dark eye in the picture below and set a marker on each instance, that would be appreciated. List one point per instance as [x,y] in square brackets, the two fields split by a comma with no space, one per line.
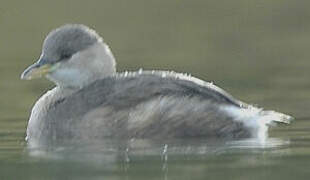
[65,56]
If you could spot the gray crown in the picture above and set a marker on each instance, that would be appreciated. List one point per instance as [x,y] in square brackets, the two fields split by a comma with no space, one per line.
[61,43]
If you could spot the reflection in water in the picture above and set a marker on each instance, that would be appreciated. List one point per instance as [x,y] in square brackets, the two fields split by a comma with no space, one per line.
[163,159]
[127,151]
[254,144]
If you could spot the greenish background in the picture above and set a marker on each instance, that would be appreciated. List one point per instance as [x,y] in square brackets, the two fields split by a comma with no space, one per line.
[258,50]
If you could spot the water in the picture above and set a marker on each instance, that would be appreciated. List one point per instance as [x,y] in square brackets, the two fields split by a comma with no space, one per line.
[256,50]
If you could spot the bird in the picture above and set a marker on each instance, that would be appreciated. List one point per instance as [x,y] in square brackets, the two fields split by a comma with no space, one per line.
[92,101]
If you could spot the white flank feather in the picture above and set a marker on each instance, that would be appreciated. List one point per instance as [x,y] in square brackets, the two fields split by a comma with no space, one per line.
[256,119]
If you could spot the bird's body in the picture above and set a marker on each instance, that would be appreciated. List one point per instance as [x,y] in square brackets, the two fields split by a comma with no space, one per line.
[92,104]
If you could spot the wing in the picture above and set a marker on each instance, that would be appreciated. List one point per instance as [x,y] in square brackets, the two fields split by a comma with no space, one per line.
[129,90]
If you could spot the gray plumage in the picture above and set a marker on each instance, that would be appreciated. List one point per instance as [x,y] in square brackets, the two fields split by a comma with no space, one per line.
[179,108]
[92,101]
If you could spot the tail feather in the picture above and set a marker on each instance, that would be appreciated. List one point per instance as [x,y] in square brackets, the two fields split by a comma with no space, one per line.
[274,116]
[256,119]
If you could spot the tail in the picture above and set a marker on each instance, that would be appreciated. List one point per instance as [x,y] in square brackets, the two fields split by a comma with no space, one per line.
[275,117]
[256,119]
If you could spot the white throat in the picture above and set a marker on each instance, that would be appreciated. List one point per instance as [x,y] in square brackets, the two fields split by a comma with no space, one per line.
[84,67]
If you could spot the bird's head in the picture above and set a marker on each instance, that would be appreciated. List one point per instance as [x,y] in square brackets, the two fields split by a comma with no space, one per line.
[72,56]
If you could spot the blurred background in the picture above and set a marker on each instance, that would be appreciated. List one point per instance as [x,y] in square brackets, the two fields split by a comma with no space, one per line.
[257,50]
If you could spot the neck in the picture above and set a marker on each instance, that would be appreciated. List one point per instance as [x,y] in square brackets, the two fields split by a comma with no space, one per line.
[103,61]
[85,67]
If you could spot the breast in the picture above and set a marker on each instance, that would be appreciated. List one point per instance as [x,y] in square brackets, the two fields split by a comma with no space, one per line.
[39,127]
